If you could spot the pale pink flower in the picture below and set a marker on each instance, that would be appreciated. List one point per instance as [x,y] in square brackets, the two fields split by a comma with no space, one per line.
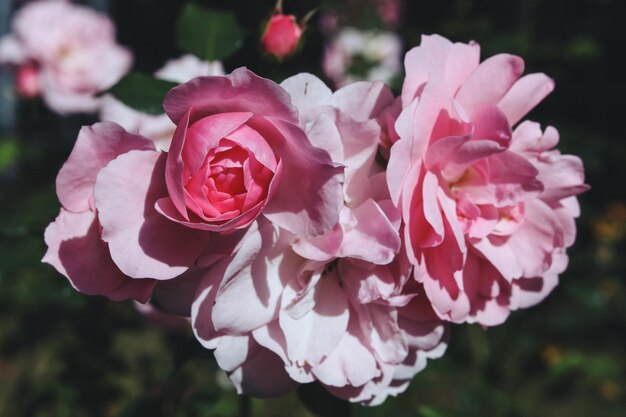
[75,51]
[488,211]
[158,128]
[334,308]
[281,36]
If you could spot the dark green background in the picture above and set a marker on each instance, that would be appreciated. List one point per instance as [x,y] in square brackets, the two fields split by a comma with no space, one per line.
[65,354]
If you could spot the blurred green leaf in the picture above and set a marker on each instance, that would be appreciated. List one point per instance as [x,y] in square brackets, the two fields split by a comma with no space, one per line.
[9,152]
[430,412]
[142,92]
[208,34]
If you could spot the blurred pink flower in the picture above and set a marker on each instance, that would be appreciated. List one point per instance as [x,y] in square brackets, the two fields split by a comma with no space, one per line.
[389,11]
[488,211]
[281,36]
[158,128]
[334,308]
[354,55]
[74,49]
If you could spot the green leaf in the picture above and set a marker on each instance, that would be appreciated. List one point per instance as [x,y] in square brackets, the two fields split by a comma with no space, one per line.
[208,34]
[142,92]
[9,153]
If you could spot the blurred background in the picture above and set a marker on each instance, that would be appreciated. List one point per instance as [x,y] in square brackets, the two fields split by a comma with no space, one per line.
[66,354]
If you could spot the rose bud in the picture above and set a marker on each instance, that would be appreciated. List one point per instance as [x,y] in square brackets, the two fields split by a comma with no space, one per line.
[27,81]
[281,36]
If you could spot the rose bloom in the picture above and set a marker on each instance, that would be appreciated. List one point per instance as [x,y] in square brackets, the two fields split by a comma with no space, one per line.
[238,153]
[73,49]
[158,128]
[281,36]
[333,308]
[27,83]
[488,211]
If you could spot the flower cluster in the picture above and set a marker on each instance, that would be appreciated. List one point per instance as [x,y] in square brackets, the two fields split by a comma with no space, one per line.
[64,52]
[272,222]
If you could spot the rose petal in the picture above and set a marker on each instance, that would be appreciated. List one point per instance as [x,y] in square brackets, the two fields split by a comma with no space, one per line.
[142,242]
[92,271]
[95,147]
[241,91]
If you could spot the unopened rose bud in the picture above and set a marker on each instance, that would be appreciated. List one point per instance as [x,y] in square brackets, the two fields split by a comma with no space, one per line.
[281,36]
[27,80]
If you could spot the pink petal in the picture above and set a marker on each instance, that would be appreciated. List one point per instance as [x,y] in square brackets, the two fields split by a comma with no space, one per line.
[528,137]
[232,351]
[95,147]
[371,236]
[526,253]
[204,135]
[315,335]
[524,95]
[490,81]
[527,292]
[362,100]
[142,242]
[202,308]
[380,323]
[321,248]
[562,176]
[490,123]
[438,57]
[487,291]
[351,363]
[306,91]
[253,282]
[304,168]
[249,296]
[241,91]
[76,250]
[250,140]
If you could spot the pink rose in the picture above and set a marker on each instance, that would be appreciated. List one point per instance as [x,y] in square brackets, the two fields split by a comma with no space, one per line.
[27,80]
[74,48]
[281,36]
[238,151]
[488,211]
